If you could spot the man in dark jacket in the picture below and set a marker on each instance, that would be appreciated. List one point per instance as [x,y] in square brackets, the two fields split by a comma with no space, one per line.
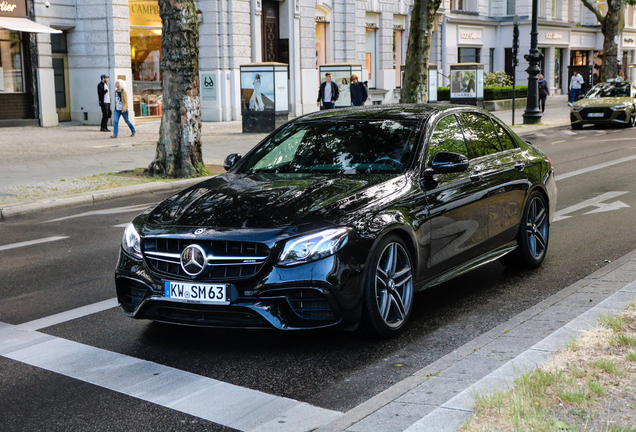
[544,91]
[104,102]
[359,93]
[328,93]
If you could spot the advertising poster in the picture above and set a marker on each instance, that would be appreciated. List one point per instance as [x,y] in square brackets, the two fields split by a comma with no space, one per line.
[341,79]
[463,84]
[257,91]
[208,86]
[282,103]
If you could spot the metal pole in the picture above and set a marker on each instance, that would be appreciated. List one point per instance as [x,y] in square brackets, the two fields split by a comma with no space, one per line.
[514,81]
[532,115]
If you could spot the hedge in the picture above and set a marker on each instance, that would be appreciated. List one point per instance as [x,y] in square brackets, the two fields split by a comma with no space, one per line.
[490,93]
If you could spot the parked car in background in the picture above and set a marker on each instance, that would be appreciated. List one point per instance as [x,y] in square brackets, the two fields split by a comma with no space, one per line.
[337,219]
[607,102]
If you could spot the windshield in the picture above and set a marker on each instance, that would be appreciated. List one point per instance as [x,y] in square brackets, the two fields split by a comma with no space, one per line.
[344,146]
[609,90]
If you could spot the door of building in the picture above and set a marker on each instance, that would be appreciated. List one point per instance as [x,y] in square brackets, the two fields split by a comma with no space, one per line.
[270,31]
[62,97]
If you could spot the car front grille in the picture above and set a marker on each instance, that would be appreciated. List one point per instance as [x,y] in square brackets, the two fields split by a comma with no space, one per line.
[225,259]
[607,113]
[310,304]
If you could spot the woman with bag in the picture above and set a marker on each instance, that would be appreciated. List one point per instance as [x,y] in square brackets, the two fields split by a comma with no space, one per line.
[121,108]
[544,92]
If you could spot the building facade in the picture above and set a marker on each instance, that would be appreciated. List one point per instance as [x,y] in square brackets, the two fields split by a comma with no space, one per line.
[53,76]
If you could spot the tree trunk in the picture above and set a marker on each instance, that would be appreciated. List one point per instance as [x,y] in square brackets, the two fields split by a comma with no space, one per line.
[179,146]
[610,29]
[414,87]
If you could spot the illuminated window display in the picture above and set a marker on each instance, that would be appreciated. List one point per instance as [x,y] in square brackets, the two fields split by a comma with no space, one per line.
[11,73]
[145,53]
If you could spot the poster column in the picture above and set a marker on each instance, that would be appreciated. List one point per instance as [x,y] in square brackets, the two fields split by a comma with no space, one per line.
[264,96]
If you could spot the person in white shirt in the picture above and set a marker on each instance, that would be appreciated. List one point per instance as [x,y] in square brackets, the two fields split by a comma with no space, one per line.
[575,87]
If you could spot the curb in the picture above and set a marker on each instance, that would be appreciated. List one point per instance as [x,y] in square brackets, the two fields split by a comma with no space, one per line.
[12,210]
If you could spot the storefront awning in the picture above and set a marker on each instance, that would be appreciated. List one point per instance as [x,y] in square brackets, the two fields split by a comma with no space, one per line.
[25,25]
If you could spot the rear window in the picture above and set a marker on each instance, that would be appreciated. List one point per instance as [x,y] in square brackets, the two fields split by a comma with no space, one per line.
[348,146]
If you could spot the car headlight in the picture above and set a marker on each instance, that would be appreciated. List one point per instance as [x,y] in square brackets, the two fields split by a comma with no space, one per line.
[576,108]
[313,247]
[621,106]
[131,242]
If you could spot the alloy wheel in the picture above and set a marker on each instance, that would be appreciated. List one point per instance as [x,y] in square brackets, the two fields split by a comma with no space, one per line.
[394,285]
[537,228]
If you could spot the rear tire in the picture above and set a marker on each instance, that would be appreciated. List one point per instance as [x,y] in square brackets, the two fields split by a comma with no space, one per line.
[534,234]
[388,289]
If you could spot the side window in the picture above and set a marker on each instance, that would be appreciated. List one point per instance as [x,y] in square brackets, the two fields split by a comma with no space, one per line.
[481,138]
[504,138]
[447,137]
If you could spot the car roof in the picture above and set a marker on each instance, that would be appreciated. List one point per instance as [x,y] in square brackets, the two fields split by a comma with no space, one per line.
[417,112]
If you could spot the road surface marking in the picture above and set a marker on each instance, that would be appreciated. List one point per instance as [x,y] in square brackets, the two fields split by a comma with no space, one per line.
[594,167]
[68,315]
[32,242]
[594,202]
[209,399]
[110,211]
[558,142]
[569,132]
[124,225]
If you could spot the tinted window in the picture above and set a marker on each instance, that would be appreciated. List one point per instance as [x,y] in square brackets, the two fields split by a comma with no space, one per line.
[609,90]
[347,146]
[504,139]
[481,138]
[447,137]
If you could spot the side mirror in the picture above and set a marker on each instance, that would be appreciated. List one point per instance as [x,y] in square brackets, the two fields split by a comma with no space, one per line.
[447,162]
[231,160]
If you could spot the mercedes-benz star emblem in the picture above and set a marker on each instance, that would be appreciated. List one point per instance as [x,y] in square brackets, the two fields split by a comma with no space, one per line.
[193,260]
[199,231]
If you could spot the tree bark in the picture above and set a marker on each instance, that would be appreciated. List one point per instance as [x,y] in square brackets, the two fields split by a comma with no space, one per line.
[414,87]
[611,26]
[178,151]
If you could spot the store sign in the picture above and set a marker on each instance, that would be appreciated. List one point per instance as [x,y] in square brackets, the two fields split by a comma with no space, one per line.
[629,40]
[144,13]
[208,86]
[13,8]
[470,35]
[554,36]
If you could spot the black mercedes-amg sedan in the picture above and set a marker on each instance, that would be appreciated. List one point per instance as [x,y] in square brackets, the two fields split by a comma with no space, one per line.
[337,219]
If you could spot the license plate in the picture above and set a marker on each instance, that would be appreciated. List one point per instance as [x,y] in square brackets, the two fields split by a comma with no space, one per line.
[595,115]
[197,293]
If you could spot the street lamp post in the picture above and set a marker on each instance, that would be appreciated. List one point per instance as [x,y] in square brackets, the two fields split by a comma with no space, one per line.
[532,114]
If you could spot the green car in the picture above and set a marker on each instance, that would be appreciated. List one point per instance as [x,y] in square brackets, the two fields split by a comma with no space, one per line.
[607,102]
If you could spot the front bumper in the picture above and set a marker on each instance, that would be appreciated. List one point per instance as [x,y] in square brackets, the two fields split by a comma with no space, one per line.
[324,293]
[618,116]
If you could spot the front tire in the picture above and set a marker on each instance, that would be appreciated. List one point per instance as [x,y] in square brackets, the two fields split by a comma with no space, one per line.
[534,233]
[577,126]
[388,289]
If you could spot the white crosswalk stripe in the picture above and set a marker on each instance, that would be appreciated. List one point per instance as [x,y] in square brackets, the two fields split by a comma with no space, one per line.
[32,242]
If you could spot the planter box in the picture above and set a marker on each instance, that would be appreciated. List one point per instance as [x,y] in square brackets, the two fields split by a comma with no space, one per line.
[504,104]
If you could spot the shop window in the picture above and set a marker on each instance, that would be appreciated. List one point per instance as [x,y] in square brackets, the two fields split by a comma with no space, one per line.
[145,54]
[578,58]
[11,72]
[558,67]
[469,55]
[322,36]
[371,55]
[398,61]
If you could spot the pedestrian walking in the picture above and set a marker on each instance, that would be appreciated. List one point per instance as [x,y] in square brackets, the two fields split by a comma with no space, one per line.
[121,108]
[359,92]
[104,102]
[621,76]
[544,91]
[575,87]
[328,93]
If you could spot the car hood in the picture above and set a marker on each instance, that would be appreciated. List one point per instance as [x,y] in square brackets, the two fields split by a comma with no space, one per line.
[273,200]
[602,102]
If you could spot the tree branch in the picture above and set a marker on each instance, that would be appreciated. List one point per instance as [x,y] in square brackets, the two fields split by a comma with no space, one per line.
[592,7]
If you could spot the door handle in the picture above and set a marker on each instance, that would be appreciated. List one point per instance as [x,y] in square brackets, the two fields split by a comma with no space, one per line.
[520,166]
[475,176]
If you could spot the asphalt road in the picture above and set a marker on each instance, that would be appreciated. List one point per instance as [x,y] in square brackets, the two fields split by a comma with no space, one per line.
[332,370]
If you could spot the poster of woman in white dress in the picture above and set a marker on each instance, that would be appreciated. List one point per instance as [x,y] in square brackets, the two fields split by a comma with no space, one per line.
[257,91]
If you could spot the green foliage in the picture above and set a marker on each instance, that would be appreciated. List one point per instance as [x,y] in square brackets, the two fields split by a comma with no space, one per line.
[498,93]
[443,93]
[497,79]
